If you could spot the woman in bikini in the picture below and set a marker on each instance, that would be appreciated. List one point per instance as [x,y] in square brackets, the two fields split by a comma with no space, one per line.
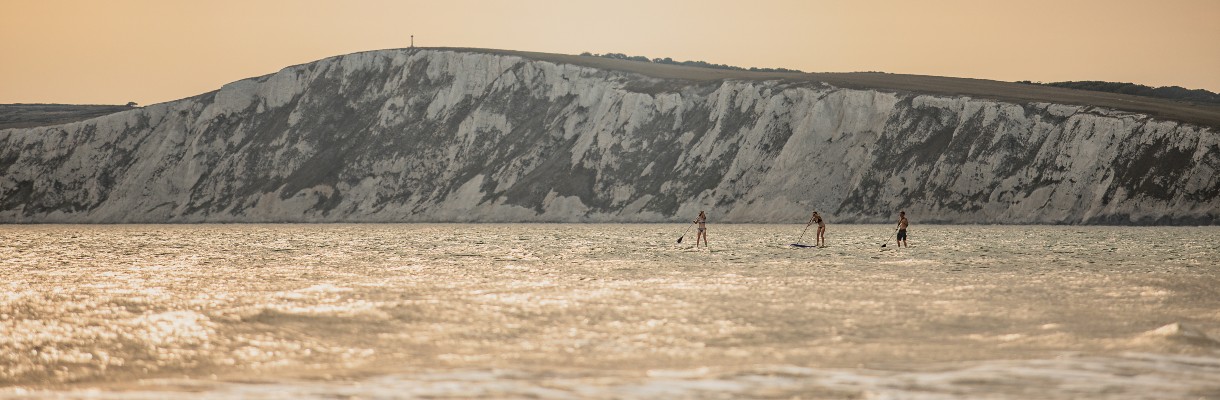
[702,221]
[821,238]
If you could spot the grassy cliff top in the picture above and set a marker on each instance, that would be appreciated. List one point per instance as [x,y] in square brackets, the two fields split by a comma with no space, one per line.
[32,115]
[1207,115]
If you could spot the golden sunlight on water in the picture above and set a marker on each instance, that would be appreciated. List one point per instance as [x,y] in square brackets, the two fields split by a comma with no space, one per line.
[607,311]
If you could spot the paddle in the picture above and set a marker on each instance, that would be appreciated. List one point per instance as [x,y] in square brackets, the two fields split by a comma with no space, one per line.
[802,236]
[684,232]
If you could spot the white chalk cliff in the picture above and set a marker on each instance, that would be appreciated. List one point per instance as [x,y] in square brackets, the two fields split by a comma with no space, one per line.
[445,135]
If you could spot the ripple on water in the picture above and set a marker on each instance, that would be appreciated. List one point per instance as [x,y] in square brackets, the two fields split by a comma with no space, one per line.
[606,311]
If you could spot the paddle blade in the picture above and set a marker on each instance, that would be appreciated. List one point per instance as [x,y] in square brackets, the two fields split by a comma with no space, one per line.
[679,239]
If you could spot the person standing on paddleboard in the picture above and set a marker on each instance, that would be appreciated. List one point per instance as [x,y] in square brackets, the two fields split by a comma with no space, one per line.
[821,237]
[702,221]
[902,229]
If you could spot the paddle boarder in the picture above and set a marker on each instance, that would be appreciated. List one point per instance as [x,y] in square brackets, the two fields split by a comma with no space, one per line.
[902,229]
[701,220]
[821,236]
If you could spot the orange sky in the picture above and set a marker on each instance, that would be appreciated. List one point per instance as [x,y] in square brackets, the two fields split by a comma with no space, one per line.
[149,51]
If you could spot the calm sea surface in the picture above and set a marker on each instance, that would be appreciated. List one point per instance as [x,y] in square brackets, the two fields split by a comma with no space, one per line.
[559,311]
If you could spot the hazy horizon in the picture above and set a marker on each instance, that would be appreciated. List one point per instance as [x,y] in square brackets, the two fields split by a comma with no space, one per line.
[79,52]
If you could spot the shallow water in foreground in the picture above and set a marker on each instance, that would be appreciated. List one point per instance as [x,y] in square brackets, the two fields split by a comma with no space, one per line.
[607,311]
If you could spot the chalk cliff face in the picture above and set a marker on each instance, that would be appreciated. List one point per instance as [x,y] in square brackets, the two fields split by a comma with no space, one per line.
[437,135]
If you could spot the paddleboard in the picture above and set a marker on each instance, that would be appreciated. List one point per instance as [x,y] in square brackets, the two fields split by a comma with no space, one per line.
[802,245]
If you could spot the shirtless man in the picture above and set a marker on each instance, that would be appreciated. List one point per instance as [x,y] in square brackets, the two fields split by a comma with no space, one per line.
[821,238]
[902,229]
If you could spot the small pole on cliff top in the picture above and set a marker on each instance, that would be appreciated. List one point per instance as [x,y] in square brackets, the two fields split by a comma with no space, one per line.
[412,41]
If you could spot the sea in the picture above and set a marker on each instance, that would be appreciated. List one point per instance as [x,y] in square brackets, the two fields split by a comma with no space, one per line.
[607,311]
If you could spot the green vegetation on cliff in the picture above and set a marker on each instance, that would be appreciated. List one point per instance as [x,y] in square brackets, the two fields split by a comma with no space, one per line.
[1164,92]
[701,64]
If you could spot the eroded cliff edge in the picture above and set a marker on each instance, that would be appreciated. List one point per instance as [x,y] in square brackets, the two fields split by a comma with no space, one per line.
[443,135]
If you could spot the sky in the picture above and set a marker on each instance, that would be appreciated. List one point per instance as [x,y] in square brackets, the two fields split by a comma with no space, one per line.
[152,51]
